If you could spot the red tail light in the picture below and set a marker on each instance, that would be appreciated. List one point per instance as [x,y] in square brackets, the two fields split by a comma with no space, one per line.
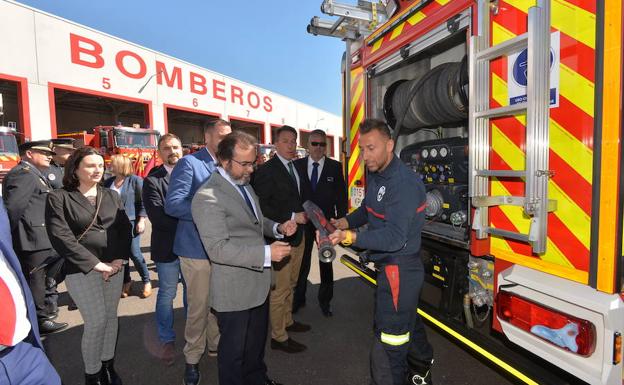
[560,329]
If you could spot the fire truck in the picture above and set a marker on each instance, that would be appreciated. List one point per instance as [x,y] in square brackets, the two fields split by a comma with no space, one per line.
[136,143]
[9,154]
[511,113]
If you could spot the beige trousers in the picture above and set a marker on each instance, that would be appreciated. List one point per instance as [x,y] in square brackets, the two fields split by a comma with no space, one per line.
[201,325]
[286,274]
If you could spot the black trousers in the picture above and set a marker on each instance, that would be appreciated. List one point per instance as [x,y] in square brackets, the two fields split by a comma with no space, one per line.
[37,280]
[326,289]
[241,347]
[399,330]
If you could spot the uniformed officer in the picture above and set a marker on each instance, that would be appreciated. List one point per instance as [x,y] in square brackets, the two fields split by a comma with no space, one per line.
[25,190]
[63,148]
[393,208]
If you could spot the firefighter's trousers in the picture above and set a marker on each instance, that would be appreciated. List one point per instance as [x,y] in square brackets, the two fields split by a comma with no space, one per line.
[398,328]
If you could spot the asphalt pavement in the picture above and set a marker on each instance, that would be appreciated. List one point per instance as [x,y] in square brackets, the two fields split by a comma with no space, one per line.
[337,347]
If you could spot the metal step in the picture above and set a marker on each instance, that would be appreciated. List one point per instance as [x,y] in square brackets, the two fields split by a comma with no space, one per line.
[502,173]
[508,234]
[502,111]
[503,49]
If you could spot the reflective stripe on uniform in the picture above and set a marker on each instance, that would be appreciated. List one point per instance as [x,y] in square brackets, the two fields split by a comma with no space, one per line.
[394,339]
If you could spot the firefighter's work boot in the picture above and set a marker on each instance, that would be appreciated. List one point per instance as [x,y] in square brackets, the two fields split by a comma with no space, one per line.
[419,373]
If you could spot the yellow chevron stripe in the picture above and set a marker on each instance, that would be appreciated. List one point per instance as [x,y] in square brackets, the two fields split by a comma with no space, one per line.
[567,211]
[397,31]
[500,33]
[358,93]
[416,18]
[567,146]
[354,158]
[571,150]
[575,22]
[443,2]
[377,45]
[516,215]
[577,89]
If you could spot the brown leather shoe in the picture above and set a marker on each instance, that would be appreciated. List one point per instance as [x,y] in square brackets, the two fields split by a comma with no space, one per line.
[147,289]
[167,353]
[298,327]
[288,346]
[125,290]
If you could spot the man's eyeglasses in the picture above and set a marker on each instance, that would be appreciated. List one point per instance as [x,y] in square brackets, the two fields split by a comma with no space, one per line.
[316,144]
[253,164]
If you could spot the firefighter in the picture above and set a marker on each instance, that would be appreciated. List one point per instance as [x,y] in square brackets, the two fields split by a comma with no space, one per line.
[63,148]
[393,208]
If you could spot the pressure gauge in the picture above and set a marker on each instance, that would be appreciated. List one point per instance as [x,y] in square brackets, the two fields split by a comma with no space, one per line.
[434,152]
[425,153]
[443,152]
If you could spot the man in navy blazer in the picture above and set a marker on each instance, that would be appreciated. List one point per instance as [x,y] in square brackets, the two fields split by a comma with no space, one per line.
[155,188]
[189,174]
[23,361]
[323,183]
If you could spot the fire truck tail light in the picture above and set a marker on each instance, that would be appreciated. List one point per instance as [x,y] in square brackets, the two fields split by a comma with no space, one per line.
[617,348]
[568,332]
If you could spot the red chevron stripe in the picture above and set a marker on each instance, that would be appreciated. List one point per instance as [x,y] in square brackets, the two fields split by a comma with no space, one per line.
[558,232]
[589,6]
[567,243]
[500,221]
[354,170]
[579,57]
[355,141]
[566,177]
[359,105]
[574,120]
[355,83]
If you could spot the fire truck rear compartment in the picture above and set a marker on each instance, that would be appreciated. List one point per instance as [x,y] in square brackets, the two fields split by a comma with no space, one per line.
[76,111]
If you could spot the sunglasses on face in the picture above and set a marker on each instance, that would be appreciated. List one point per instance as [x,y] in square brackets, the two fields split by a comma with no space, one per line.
[316,144]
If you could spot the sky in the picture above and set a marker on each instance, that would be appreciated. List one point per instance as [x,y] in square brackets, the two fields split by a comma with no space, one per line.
[263,43]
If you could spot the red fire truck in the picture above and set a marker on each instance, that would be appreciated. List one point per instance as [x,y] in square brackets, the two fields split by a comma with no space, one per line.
[511,113]
[9,154]
[138,144]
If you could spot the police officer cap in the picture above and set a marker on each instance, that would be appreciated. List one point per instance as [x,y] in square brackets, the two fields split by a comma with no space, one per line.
[39,145]
[67,143]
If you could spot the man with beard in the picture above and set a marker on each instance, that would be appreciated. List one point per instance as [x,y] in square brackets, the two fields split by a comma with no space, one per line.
[155,188]
[231,225]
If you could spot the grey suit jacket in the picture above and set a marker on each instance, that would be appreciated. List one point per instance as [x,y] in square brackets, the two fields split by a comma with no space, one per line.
[234,240]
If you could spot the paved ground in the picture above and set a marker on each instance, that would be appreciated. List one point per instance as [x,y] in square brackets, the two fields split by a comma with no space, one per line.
[337,347]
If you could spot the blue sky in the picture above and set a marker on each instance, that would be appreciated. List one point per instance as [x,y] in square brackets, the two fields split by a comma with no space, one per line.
[264,43]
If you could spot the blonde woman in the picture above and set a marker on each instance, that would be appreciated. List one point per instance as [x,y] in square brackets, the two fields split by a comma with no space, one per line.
[129,187]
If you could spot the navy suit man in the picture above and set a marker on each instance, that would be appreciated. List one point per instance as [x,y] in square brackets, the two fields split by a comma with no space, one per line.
[22,359]
[155,188]
[323,183]
[188,175]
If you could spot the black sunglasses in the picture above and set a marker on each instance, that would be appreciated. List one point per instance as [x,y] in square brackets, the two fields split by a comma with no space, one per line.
[322,144]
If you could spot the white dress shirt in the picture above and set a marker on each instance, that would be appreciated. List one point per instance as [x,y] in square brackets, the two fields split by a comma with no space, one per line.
[276,234]
[311,161]
[21,328]
[285,163]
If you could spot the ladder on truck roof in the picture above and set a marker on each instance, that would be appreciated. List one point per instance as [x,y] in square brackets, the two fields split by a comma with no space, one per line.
[536,174]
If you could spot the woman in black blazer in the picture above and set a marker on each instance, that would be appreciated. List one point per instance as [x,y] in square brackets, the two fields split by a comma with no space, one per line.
[88,227]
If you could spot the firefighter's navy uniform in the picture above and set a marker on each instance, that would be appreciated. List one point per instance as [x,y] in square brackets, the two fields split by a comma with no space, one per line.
[393,208]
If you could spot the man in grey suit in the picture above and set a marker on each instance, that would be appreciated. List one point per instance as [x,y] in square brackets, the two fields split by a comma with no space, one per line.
[231,226]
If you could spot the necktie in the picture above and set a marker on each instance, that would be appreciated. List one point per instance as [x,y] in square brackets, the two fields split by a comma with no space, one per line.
[242,189]
[291,171]
[314,179]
